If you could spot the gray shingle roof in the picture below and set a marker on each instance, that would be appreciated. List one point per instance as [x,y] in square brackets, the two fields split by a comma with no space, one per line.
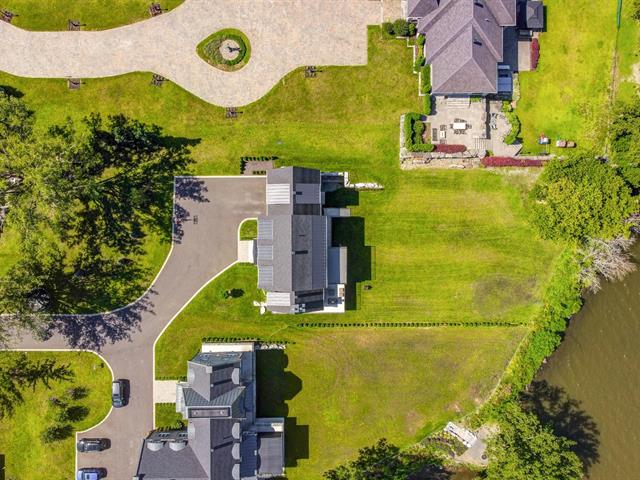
[535,15]
[420,8]
[464,44]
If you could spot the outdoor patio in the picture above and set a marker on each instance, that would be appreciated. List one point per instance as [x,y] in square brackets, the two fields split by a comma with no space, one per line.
[478,124]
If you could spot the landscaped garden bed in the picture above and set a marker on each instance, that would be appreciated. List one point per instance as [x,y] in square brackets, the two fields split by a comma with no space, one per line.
[227,49]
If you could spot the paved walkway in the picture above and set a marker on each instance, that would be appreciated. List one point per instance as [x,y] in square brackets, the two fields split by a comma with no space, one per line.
[284,35]
[126,337]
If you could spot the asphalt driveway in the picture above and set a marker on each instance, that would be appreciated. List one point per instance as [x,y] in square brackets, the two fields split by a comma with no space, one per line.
[207,214]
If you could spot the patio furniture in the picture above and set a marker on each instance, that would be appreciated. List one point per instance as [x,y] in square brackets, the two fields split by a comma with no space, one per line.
[460,126]
[155,9]
[73,25]
[310,72]
[443,134]
[231,112]
[7,16]
[434,134]
[74,83]
[157,80]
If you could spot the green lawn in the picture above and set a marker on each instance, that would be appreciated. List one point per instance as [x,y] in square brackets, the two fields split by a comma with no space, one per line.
[94,14]
[25,456]
[567,96]
[341,388]
[249,230]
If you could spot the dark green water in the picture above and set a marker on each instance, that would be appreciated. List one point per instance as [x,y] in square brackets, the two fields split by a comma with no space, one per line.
[593,390]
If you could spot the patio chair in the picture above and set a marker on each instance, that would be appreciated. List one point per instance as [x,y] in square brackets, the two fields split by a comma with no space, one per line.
[73,25]
[157,80]
[7,16]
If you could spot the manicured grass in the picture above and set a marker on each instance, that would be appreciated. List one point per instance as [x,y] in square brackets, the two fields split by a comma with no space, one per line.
[209,49]
[26,457]
[567,96]
[249,230]
[94,14]
[167,417]
[342,388]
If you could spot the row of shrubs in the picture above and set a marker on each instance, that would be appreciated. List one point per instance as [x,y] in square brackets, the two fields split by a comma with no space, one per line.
[399,28]
[535,53]
[447,148]
[514,121]
[510,162]
[244,339]
[262,158]
[413,131]
[406,324]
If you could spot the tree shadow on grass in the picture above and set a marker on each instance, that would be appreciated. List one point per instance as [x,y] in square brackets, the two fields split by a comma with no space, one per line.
[2,462]
[277,385]
[554,407]
[350,232]
[12,92]
[92,332]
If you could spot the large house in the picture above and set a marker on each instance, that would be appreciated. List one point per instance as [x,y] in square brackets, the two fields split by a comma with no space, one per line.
[467,42]
[298,267]
[223,439]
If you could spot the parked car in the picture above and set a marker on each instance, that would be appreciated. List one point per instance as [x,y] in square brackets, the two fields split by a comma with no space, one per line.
[119,393]
[92,444]
[91,473]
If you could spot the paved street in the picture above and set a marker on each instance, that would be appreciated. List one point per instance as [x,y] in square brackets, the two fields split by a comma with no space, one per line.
[125,338]
[284,35]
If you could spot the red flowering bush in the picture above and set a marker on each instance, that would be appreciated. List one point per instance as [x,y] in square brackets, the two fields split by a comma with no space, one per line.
[535,53]
[440,148]
[510,162]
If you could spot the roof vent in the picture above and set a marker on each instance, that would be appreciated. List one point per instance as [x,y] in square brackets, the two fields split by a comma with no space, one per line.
[155,445]
[177,445]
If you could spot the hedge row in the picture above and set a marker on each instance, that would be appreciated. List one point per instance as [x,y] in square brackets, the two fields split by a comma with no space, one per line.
[447,148]
[179,378]
[535,53]
[406,324]
[413,130]
[245,339]
[399,28]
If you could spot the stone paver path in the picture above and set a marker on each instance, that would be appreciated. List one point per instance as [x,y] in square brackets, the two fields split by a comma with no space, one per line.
[284,35]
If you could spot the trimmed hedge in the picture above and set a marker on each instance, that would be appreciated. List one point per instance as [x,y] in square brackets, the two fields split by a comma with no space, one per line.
[419,62]
[413,130]
[425,75]
[446,148]
[512,136]
[420,40]
[427,104]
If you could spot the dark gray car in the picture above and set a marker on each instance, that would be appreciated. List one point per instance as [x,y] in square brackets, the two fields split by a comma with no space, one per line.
[119,393]
[93,444]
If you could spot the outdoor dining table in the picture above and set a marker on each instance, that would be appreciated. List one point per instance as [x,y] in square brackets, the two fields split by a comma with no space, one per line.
[459,126]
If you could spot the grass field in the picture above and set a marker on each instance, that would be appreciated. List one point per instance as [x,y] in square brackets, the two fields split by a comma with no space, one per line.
[567,97]
[25,456]
[342,388]
[94,14]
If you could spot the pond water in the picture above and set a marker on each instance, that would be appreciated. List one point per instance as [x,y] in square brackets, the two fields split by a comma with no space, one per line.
[590,388]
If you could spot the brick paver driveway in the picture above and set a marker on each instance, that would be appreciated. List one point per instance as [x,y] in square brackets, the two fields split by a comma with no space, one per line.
[208,213]
[284,35]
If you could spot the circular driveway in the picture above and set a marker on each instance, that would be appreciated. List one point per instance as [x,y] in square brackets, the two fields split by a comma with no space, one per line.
[284,35]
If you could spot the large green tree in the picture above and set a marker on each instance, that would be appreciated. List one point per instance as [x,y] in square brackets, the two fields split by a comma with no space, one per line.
[526,450]
[80,199]
[581,197]
[625,140]
[18,372]
[385,461]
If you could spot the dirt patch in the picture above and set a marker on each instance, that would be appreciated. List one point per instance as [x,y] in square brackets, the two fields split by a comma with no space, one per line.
[496,295]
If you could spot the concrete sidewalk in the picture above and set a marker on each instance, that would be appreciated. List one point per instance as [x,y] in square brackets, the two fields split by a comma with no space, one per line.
[284,35]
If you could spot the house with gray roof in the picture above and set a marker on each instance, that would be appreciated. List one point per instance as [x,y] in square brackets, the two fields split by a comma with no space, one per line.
[464,43]
[298,267]
[223,440]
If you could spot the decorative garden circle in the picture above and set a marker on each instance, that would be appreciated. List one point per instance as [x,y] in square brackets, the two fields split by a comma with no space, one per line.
[227,49]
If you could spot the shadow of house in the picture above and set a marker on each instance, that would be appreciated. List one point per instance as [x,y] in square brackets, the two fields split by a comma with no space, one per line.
[564,414]
[350,232]
[277,385]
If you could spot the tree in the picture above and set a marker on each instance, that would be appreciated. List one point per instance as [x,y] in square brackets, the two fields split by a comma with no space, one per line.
[17,372]
[625,137]
[581,197]
[526,450]
[81,200]
[386,461]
